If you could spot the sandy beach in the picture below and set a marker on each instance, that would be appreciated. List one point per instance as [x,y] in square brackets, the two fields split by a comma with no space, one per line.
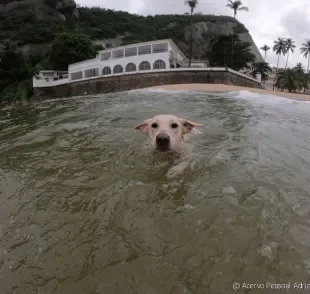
[230,88]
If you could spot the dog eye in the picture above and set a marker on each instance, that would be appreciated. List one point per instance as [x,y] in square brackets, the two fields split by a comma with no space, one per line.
[154,125]
[174,125]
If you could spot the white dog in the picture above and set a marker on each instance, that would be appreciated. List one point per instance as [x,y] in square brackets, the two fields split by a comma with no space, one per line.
[168,133]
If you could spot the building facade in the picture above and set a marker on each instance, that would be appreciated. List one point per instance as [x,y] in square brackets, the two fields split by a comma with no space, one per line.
[141,57]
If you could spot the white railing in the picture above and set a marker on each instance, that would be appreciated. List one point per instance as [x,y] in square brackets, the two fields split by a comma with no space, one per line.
[39,83]
[43,83]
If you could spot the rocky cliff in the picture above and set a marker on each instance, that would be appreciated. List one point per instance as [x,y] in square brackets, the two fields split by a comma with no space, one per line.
[40,10]
[205,35]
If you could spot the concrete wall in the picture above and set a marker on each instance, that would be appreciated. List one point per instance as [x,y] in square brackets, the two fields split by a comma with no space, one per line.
[143,80]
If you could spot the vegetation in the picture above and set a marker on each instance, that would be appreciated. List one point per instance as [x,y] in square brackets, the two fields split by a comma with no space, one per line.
[192,5]
[294,79]
[291,79]
[15,75]
[223,55]
[263,68]
[265,48]
[305,50]
[100,23]
[299,68]
[16,71]
[280,48]
[236,6]
[68,48]
[289,46]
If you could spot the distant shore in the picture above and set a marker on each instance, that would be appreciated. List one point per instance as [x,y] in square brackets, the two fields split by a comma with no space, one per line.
[230,88]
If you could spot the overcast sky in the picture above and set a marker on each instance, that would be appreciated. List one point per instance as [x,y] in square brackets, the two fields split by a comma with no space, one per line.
[266,20]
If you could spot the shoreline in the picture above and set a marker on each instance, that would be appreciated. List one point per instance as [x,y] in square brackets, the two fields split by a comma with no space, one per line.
[220,88]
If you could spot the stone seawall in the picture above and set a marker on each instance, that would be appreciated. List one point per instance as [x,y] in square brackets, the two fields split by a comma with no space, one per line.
[142,80]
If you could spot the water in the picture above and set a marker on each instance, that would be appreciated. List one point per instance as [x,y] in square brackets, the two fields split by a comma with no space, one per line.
[84,210]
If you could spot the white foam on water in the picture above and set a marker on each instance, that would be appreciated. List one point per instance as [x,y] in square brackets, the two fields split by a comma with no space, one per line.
[266,98]
[196,131]
[189,206]
[61,99]
[160,90]
[5,121]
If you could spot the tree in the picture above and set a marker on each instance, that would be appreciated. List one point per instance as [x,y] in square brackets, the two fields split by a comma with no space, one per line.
[290,79]
[236,6]
[289,46]
[12,66]
[221,55]
[265,48]
[15,75]
[280,48]
[192,5]
[305,50]
[68,48]
[299,68]
[263,68]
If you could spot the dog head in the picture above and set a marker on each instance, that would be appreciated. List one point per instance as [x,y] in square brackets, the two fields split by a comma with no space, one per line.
[166,132]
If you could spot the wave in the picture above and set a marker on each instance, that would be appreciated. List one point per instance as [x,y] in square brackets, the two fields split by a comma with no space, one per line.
[259,97]
[160,90]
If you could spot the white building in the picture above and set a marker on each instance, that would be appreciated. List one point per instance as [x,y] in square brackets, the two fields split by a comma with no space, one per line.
[141,57]
[47,78]
[52,75]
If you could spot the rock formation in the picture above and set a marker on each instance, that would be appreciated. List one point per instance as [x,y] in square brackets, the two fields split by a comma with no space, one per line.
[40,10]
[205,34]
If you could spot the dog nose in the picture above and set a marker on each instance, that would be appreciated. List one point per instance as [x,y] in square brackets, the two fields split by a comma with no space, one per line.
[162,139]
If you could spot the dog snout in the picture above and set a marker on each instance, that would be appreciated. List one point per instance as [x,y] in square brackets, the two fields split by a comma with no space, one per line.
[163,142]
[162,139]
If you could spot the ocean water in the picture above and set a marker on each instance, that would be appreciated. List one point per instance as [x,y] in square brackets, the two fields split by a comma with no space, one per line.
[84,210]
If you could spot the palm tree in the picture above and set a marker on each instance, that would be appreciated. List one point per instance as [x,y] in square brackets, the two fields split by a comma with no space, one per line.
[305,50]
[265,48]
[263,68]
[236,6]
[300,68]
[192,5]
[290,46]
[280,48]
[290,79]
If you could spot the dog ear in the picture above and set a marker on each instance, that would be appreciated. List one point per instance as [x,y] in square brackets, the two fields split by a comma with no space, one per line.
[188,125]
[143,127]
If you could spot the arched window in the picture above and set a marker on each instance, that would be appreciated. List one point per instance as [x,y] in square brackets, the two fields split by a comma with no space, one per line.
[159,64]
[106,71]
[144,65]
[117,69]
[130,67]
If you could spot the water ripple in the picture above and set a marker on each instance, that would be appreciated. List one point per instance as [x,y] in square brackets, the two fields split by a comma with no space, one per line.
[83,209]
